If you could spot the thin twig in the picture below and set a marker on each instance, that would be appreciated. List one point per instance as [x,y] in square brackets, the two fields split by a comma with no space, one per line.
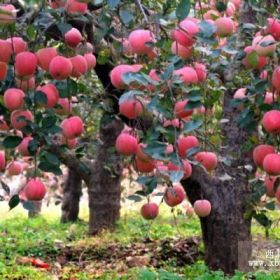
[139,4]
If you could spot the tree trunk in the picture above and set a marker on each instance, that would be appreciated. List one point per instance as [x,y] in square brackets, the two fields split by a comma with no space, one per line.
[104,186]
[72,192]
[228,227]
[35,210]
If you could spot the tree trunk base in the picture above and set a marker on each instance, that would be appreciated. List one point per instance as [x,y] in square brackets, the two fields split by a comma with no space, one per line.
[72,192]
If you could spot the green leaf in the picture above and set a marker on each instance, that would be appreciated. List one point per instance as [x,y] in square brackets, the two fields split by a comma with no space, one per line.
[14,201]
[221,6]
[49,121]
[149,183]
[253,58]
[135,198]
[64,27]
[183,9]
[48,167]
[176,176]
[27,205]
[192,125]
[270,205]
[263,220]
[129,95]
[126,16]
[156,150]
[11,142]
[5,187]
[113,3]
[52,158]
[40,98]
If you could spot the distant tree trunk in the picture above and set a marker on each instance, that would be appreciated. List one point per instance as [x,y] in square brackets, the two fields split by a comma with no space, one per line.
[35,210]
[72,191]
[104,186]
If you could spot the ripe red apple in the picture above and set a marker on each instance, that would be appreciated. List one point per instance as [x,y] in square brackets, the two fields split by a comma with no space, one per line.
[2,161]
[73,37]
[187,74]
[269,98]
[55,4]
[60,67]
[35,189]
[271,164]
[51,93]
[180,111]
[260,152]
[273,28]
[269,185]
[45,57]
[149,211]
[84,48]
[117,73]
[126,144]
[25,64]
[202,207]
[260,60]
[201,71]
[189,209]
[25,85]
[23,146]
[140,154]
[208,159]
[185,143]
[79,66]
[186,168]
[18,44]
[225,26]
[276,78]
[72,127]
[20,118]
[264,50]
[75,7]
[174,195]
[131,108]
[146,166]
[8,14]
[14,168]
[6,51]
[174,123]
[13,98]
[139,40]
[240,93]
[91,60]
[3,71]
[66,106]
[271,121]
[264,75]
[180,50]
[184,35]
[231,9]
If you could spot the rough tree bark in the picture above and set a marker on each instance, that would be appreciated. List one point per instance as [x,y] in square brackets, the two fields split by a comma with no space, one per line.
[228,226]
[227,231]
[35,210]
[72,191]
[104,186]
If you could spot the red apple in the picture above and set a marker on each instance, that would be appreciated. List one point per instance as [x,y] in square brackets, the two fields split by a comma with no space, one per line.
[202,208]
[149,211]
[35,189]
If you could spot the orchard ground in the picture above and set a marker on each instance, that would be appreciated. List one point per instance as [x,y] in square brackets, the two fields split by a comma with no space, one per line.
[124,254]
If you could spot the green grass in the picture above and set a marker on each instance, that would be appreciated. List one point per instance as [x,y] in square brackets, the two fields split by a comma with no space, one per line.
[38,237]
